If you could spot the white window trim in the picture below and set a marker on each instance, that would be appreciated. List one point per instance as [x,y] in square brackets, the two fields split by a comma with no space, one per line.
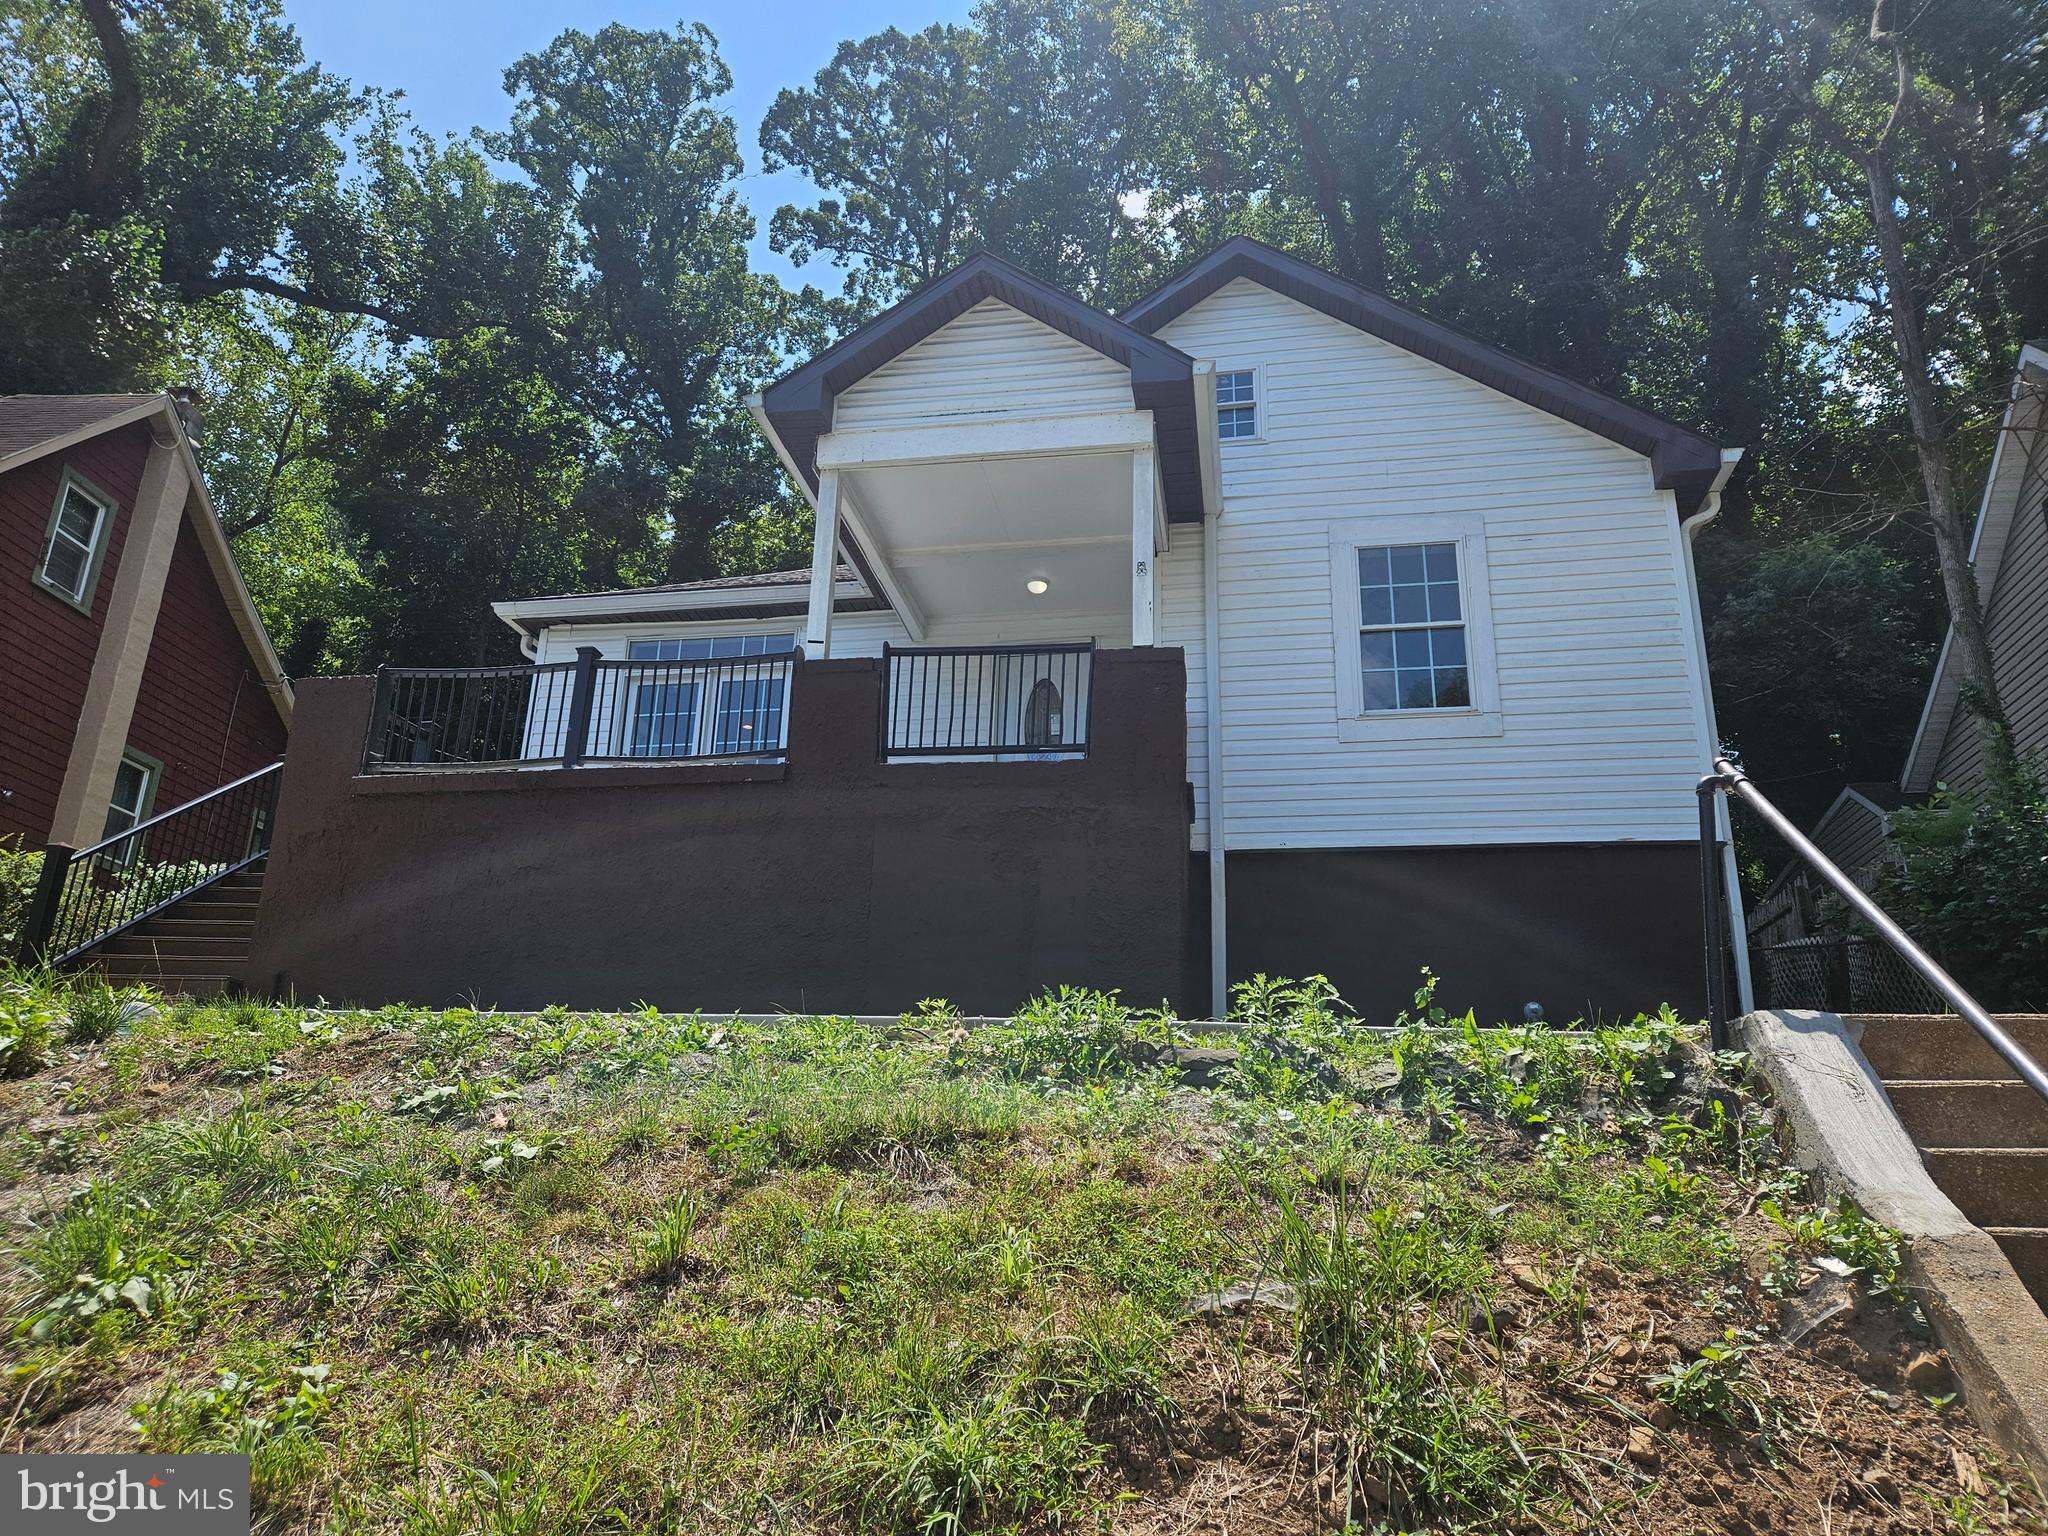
[1258,373]
[102,532]
[152,781]
[1468,532]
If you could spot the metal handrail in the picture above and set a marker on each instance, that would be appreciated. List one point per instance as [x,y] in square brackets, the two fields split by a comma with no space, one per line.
[1727,778]
[87,896]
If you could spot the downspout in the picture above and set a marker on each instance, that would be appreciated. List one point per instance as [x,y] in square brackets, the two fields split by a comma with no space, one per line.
[1212,689]
[1737,925]
[1212,684]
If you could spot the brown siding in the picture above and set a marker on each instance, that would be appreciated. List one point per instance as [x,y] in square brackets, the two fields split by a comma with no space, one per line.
[2017,622]
[834,883]
[202,711]
[49,646]
[1601,931]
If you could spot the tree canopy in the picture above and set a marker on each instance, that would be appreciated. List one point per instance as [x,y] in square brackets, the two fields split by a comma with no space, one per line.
[441,370]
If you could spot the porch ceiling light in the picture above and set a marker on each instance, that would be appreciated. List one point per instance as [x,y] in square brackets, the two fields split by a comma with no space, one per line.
[1036,586]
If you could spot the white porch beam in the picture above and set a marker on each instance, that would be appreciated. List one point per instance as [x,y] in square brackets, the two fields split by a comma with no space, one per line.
[910,554]
[1095,432]
[824,558]
[1144,552]
[893,592]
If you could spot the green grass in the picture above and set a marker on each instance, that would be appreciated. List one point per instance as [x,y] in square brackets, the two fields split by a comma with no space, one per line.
[458,1271]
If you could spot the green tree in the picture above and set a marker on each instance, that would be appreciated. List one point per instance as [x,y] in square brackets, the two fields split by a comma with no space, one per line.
[1022,133]
[456,468]
[666,329]
[1928,122]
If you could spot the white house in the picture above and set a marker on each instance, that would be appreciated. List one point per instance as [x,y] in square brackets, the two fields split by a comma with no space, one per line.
[1447,694]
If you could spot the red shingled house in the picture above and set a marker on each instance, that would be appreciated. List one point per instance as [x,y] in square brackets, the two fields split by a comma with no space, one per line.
[138,674]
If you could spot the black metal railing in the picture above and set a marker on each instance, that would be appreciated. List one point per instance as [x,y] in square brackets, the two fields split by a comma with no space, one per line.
[442,717]
[585,711]
[1729,779]
[86,896]
[987,701]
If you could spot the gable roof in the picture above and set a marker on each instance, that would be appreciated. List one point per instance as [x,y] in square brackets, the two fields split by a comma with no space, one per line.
[799,405]
[2013,478]
[35,426]
[1682,460]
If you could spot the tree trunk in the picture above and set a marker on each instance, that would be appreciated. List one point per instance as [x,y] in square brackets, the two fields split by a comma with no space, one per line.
[1930,438]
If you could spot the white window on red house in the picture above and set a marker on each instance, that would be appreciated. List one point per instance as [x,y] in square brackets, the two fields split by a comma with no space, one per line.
[71,552]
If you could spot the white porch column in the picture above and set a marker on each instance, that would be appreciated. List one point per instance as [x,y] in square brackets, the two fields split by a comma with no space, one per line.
[824,560]
[1144,556]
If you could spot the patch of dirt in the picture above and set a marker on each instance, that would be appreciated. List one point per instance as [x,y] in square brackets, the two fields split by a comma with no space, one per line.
[1857,1452]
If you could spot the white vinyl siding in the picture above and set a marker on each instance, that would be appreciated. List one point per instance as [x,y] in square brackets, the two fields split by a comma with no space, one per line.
[992,361]
[1602,717]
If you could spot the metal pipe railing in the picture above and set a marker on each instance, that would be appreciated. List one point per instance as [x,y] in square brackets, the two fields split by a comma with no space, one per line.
[86,896]
[1727,778]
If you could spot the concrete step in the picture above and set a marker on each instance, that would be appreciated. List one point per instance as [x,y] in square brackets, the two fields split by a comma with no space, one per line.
[1993,1186]
[2027,1249]
[1970,1114]
[1938,1047]
[209,984]
[177,923]
[216,902]
[150,943]
[159,968]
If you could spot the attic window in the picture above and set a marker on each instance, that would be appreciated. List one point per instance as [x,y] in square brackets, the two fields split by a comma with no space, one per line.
[1237,404]
[74,542]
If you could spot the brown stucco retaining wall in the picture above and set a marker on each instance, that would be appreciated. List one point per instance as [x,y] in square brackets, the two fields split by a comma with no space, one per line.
[834,882]
[1589,931]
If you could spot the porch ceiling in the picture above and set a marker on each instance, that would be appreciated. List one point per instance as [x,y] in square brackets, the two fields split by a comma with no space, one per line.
[964,536]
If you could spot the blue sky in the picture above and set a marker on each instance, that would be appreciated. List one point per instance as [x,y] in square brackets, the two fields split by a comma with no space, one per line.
[449,56]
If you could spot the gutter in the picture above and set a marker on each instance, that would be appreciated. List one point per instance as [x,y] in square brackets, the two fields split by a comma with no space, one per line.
[1689,529]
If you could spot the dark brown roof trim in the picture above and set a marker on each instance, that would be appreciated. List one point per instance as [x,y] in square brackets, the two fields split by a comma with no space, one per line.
[1681,460]
[799,405]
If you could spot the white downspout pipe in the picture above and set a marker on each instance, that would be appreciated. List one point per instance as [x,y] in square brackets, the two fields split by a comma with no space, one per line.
[1212,686]
[1212,703]
[1710,509]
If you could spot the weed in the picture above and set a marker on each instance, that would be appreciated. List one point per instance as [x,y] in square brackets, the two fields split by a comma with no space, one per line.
[663,1249]
[106,1261]
[1379,1294]
[29,1021]
[1843,1239]
[997,1460]
[96,1010]
[1720,1385]
[455,1284]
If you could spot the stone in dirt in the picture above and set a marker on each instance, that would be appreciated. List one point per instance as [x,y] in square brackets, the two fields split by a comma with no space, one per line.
[1642,1446]
[1663,1415]
[1622,1350]
[1201,1066]
[1527,1279]
[1928,1372]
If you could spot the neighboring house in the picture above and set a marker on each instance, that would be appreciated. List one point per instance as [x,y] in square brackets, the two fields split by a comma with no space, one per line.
[2009,555]
[1459,715]
[139,674]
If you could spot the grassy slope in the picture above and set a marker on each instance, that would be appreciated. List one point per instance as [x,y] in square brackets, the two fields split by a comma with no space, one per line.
[456,1271]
